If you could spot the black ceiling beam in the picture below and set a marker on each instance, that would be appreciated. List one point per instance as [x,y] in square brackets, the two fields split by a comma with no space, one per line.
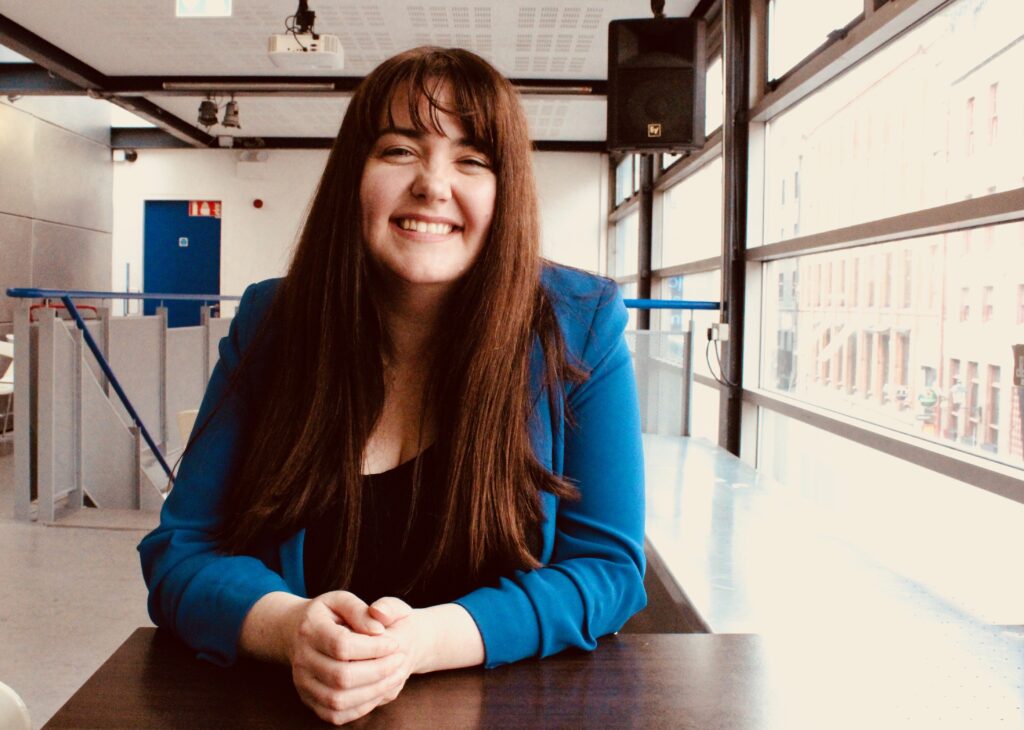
[140,139]
[64,65]
[292,85]
[30,79]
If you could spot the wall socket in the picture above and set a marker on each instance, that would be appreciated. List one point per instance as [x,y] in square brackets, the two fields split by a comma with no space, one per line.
[718,331]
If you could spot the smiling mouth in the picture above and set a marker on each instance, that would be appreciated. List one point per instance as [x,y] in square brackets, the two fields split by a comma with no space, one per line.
[408,224]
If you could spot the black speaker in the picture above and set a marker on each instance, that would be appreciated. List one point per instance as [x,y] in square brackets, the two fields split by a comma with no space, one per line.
[656,85]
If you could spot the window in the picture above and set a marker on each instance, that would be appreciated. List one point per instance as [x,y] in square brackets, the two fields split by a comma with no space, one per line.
[624,179]
[904,367]
[970,127]
[870,276]
[887,280]
[889,136]
[986,304]
[993,113]
[973,407]
[797,27]
[991,440]
[902,375]
[626,245]
[882,387]
[714,95]
[908,280]
[955,400]
[691,217]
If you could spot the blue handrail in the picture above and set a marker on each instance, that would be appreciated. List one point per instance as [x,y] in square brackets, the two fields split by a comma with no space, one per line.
[670,304]
[22,293]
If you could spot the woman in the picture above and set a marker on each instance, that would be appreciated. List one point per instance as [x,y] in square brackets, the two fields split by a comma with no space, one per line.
[423,428]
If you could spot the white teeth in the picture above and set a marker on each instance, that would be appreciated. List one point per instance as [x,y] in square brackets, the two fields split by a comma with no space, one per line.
[409,224]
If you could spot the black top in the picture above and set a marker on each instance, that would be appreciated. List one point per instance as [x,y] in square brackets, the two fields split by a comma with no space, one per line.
[383,566]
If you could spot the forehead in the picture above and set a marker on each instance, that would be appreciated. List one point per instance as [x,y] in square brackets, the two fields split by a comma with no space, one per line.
[428,111]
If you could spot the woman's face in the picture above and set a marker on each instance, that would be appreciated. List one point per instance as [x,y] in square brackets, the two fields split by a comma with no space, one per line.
[427,199]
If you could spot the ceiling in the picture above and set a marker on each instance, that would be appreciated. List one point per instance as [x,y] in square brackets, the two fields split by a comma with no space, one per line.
[128,50]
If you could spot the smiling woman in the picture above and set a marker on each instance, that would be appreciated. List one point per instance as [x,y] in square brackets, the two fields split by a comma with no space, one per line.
[447,472]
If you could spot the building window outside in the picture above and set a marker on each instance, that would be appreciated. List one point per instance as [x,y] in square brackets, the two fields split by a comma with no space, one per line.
[993,113]
[986,304]
[892,134]
[898,367]
[970,126]
[973,406]
[991,442]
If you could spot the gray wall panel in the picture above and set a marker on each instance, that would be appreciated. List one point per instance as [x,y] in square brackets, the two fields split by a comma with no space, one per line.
[72,180]
[16,150]
[15,258]
[65,257]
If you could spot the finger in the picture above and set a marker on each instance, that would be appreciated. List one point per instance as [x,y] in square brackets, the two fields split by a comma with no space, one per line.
[350,675]
[339,643]
[389,609]
[353,611]
[346,705]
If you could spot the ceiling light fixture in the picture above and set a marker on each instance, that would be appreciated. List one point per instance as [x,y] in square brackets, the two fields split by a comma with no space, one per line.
[208,112]
[231,114]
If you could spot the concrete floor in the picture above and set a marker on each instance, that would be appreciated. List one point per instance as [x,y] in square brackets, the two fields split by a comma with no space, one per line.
[70,595]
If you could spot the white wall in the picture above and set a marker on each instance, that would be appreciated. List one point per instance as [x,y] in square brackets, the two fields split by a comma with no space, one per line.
[257,244]
[55,195]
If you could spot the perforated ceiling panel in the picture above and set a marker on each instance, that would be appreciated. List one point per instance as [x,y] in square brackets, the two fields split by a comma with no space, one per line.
[525,40]
[143,37]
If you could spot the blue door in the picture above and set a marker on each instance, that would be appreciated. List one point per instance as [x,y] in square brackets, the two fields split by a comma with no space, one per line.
[181,256]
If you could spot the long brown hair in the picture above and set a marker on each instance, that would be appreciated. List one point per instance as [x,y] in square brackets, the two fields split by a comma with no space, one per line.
[304,442]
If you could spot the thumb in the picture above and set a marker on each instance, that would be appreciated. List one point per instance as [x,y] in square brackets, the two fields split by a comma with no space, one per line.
[389,609]
[353,612]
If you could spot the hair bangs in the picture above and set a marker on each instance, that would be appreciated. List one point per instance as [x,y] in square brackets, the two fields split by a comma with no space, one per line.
[449,86]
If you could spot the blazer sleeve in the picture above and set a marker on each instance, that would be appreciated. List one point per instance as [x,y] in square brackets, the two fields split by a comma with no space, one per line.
[594,580]
[199,593]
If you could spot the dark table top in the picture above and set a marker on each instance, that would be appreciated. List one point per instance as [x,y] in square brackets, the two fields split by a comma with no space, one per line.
[638,680]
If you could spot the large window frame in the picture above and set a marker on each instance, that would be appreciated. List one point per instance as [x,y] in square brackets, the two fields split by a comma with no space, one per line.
[879,23]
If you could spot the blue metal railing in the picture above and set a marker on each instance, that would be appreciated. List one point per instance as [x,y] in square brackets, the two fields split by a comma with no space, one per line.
[66,296]
[670,304]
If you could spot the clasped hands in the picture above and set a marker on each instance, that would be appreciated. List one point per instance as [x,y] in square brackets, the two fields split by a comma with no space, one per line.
[348,657]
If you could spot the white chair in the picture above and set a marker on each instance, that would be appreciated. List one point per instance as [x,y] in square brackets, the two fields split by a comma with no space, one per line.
[7,384]
[13,712]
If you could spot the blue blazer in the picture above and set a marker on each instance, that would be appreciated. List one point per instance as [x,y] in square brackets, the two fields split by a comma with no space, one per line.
[591,580]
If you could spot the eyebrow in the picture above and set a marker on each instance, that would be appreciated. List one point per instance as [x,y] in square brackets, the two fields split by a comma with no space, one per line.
[417,135]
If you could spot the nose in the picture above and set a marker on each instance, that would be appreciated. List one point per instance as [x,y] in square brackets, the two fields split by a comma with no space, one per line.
[432,183]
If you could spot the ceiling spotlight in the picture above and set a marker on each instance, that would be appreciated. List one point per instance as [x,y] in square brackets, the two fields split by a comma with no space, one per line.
[231,115]
[208,112]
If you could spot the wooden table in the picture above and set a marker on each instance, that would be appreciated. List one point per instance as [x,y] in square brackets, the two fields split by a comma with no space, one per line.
[639,680]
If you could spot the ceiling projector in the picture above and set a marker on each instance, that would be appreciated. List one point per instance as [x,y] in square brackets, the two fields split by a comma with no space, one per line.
[306,51]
